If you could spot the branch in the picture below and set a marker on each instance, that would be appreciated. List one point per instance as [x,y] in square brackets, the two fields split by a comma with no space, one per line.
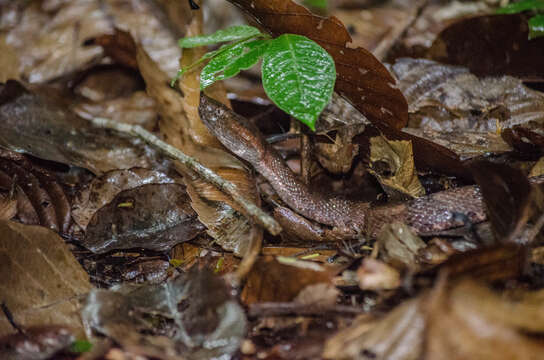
[252,210]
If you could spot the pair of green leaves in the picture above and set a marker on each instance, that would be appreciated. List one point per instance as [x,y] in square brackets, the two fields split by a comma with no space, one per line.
[298,74]
[536,23]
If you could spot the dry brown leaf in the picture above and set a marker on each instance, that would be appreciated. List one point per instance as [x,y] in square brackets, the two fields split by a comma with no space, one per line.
[399,246]
[42,281]
[101,190]
[49,37]
[27,118]
[445,98]
[538,168]
[273,281]
[153,216]
[376,275]
[392,162]
[39,198]
[8,206]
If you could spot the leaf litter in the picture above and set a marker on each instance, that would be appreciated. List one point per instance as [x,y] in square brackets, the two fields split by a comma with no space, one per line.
[316,294]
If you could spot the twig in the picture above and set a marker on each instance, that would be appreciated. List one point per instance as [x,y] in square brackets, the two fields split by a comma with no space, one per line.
[252,210]
[295,309]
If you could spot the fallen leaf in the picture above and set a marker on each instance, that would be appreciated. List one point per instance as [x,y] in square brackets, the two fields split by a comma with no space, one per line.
[376,275]
[462,320]
[153,216]
[399,246]
[506,193]
[476,44]
[40,199]
[538,168]
[197,307]
[50,39]
[273,281]
[43,282]
[29,117]
[36,343]
[321,294]
[392,162]
[103,189]
[450,98]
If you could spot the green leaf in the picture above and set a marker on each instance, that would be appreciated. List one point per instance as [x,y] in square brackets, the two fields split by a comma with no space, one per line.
[320,4]
[232,33]
[521,6]
[80,346]
[227,64]
[298,75]
[536,26]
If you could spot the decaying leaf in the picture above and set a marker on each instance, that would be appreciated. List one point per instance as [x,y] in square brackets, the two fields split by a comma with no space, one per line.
[38,197]
[42,281]
[153,216]
[40,124]
[478,44]
[36,343]
[399,246]
[274,281]
[538,168]
[49,38]
[195,309]
[445,98]
[506,192]
[136,109]
[393,164]
[466,144]
[101,190]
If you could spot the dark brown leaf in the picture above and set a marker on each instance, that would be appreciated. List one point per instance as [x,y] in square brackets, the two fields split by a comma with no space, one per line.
[492,45]
[101,190]
[40,199]
[155,217]
[361,78]
[506,192]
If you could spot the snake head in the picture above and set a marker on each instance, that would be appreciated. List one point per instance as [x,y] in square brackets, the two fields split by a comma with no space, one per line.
[235,132]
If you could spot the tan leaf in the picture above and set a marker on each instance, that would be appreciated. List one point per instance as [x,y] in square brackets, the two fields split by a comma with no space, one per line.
[393,163]
[42,281]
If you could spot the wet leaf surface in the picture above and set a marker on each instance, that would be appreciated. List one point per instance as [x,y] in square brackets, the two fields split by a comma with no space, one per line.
[43,283]
[154,216]
[103,189]
[27,118]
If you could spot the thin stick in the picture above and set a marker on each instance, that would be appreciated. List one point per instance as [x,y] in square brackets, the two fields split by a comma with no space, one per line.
[252,210]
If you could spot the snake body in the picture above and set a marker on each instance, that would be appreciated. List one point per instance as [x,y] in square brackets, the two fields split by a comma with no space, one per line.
[428,214]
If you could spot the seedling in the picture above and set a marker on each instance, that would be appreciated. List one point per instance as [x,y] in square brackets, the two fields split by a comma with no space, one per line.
[298,75]
[536,23]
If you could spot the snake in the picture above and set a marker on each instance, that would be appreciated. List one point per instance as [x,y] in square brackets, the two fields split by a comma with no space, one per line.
[424,215]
